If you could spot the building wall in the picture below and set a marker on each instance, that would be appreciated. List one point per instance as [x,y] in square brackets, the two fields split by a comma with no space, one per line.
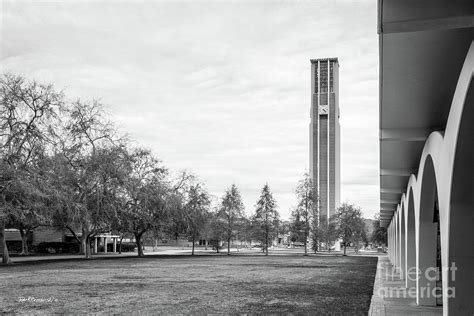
[47,234]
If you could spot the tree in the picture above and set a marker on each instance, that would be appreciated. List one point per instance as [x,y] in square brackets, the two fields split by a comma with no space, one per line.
[145,196]
[87,170]
[230,213]
[306,211]
[266,218]
[196,210]
[247,231]
[323,231]
[379,233]
[296,226]
[350,225]
[215,230]
[27,113]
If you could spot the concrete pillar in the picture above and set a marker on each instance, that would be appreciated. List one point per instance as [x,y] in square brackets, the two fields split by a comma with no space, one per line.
[391,247]
[410,251]
[402,255]
[105,244]
[426,264]
[115,245]
[411,275]
[396,241]
[95,244]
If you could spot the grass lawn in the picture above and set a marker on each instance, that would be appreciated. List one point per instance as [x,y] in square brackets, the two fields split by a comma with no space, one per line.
[197,285]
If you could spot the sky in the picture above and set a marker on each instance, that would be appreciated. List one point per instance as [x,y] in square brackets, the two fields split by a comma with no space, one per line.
[218,88]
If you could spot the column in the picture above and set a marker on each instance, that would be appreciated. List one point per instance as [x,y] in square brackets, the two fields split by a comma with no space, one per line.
[95,244]
[426,263]
[115,244]
[105,244]
[403,263]
[392,244]
[390,247]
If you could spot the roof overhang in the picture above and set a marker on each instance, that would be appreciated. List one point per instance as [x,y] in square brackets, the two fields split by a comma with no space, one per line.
[423,45]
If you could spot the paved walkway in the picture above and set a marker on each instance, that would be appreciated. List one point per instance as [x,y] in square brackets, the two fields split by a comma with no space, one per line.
[390,297]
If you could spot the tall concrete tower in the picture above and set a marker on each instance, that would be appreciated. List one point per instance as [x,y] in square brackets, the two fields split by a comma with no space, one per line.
[325,134]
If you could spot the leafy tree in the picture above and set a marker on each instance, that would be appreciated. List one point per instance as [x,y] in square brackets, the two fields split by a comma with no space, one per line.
[306,210]
[28,112]
[145,196]
[247,231]
[350,225]
[379,233]
[215,230]
[197,212]
[231,213]
[296,226]
[266,218]
[323,231]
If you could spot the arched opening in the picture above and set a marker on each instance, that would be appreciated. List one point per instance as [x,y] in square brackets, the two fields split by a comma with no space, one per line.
[428,246]
[460,276]
[410,278]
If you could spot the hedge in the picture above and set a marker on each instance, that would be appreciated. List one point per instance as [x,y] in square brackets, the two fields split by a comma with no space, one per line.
[58,247]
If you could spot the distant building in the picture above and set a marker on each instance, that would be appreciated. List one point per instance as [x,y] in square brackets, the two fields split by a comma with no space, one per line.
[325,134]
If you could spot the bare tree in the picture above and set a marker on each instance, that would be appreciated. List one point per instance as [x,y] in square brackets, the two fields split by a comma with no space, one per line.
[88,165]
[27,113]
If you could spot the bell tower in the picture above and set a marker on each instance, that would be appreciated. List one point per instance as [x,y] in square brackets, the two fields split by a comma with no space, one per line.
[325,134]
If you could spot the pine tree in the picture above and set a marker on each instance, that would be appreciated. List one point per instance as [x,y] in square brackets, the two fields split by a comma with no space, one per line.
[231,213]
[266,218]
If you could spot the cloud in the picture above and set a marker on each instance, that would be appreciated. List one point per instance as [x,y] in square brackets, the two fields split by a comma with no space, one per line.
[221,88]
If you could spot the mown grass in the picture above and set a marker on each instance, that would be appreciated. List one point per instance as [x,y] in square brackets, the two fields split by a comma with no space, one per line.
[205,284]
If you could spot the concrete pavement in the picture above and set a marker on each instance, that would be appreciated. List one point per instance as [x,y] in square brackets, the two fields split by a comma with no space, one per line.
[391,297]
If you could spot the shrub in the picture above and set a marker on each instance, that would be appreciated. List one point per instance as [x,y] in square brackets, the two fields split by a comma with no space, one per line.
[58,247]
[127,246]
[14,246]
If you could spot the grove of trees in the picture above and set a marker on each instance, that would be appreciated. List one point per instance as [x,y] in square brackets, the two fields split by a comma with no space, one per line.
[64,164]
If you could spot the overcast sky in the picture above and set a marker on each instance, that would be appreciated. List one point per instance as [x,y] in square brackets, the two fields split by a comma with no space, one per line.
[220,88]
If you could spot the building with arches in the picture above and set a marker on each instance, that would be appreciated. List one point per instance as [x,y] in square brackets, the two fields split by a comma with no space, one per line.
[427,147]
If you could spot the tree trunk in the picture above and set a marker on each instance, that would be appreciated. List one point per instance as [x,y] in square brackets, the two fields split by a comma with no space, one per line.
[3,244]
[266,243]
[344,249]
[228,246]
[305,244]
[24,242]
[138,238]
[192,253]
[120,245]
[87,243]
[84,247]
